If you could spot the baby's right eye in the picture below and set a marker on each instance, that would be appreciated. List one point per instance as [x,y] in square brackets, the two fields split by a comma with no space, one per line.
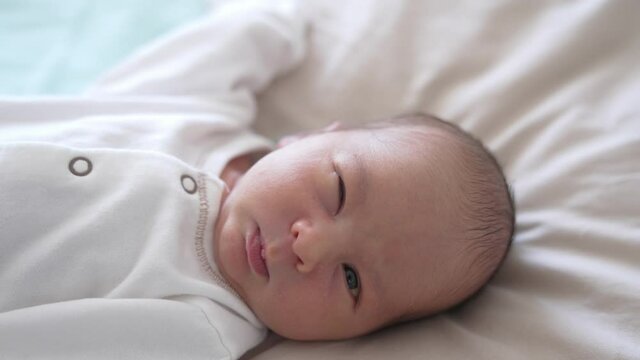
[342,194]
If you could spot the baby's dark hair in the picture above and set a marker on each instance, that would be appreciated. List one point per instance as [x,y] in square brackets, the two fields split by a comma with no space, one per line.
[485,203]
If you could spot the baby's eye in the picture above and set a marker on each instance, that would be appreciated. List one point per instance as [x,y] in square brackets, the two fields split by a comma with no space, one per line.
[342,194]
[353,283]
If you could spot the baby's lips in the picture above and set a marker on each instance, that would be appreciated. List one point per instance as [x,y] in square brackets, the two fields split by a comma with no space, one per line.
[263,253]
[254,245]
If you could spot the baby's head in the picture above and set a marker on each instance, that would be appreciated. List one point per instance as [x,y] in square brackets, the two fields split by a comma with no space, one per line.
[364,227]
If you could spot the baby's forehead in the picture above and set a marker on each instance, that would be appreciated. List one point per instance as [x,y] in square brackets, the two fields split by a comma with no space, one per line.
[419,156]
[403,167]
[416,271]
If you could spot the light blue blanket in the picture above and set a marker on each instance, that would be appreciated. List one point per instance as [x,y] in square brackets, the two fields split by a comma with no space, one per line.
[61,46]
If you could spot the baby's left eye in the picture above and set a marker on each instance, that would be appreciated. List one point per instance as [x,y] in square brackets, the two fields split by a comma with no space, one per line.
[342,194]
[353,283]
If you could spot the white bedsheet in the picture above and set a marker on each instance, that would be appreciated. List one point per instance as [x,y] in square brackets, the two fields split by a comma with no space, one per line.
[553,87]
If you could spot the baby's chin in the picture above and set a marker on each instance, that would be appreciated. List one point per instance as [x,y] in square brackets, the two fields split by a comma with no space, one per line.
[296,328]
[299,334]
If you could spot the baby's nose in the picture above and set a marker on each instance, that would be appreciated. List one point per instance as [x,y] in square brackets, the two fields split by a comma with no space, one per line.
[310,246]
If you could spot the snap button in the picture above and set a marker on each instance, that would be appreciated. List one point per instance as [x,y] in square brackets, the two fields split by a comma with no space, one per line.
[80,166]
[188,184]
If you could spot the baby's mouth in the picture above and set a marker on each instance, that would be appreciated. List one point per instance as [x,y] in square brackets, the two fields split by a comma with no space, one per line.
[256,253]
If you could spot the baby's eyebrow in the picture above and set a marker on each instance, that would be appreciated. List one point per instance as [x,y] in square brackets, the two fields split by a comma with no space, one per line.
[359,178]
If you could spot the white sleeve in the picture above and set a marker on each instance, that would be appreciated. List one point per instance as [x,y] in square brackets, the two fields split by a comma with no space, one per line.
[110,329]
[237,50]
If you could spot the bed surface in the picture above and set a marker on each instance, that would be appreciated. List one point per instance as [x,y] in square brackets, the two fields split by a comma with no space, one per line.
[553,88]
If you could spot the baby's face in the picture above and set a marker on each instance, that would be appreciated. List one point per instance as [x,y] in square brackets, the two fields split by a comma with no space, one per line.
[334,236]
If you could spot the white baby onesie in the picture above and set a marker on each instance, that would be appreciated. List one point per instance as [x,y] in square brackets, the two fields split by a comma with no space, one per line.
[108,200]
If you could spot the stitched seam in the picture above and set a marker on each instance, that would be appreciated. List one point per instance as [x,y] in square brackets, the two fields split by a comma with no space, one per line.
[203,216]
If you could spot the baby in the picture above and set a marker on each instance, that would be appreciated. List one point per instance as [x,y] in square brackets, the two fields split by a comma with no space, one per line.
[345,231]
[145,217]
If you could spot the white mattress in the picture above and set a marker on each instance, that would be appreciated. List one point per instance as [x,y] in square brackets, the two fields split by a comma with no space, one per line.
[553,87]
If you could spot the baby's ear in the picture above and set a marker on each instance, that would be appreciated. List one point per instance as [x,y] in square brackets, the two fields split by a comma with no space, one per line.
[290,139]
[336,125]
